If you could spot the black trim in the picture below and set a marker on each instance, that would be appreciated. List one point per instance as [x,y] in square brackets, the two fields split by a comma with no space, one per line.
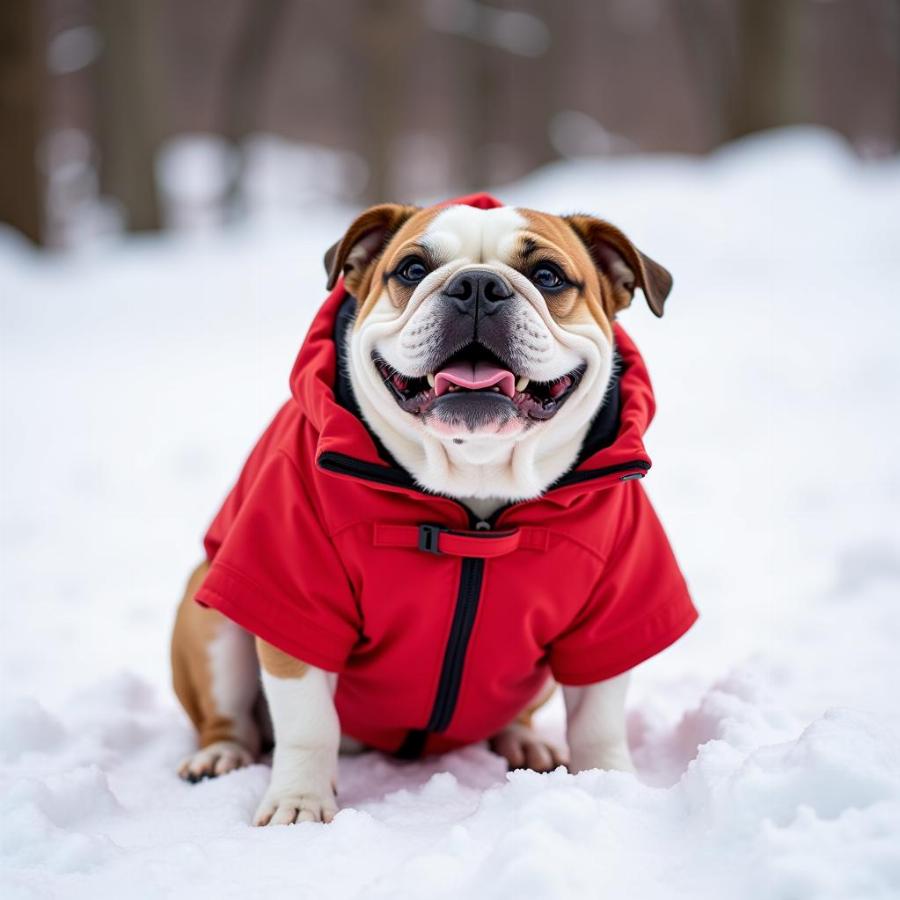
[359,468]
[343,389]
[467,597]
[604,427]
[342,464]
[578,477]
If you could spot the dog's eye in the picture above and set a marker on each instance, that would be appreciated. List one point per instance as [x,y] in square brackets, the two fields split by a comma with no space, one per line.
[412,270]
[547,277]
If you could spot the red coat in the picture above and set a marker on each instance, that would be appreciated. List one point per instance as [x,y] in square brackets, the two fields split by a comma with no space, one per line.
[441,632]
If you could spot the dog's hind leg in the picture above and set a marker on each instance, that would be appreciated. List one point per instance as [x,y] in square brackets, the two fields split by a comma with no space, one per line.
[524,748]
[216,677]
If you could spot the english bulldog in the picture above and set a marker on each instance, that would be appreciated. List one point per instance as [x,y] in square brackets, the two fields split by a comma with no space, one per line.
[463,443]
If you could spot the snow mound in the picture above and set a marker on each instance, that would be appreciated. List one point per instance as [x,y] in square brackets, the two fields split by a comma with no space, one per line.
[136,376]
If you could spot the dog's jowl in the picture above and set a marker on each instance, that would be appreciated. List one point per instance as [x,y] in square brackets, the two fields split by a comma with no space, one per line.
[446,518]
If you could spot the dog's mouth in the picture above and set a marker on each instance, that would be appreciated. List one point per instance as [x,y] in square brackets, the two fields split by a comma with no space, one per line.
[475,377]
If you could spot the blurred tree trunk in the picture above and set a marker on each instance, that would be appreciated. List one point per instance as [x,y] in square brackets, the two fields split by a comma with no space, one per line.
[383,38]
[244,86]
[21,95]
[478,81]
[710,62]
[548,71]
[490,71]
[130,110]
[768,83]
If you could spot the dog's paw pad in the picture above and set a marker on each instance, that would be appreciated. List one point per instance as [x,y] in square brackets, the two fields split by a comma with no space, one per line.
[292,809]
[523,748]
[214,760]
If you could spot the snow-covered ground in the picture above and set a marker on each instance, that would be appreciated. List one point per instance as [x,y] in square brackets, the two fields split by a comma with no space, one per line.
[135,377]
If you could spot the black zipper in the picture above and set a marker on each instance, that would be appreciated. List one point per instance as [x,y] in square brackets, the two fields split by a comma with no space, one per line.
[468,594]
[471,578]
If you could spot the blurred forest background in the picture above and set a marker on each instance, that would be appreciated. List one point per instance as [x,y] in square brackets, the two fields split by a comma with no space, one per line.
[109,109]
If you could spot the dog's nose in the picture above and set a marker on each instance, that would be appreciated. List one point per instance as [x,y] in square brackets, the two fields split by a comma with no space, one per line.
[478,291]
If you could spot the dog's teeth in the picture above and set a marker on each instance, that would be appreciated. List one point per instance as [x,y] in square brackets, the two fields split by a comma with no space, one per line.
[522,383]
[430,377]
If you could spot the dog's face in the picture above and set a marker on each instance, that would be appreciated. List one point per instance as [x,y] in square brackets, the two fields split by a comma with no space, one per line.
[478,330]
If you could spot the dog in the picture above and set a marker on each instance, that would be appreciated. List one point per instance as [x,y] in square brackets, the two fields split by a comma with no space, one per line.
[446,519]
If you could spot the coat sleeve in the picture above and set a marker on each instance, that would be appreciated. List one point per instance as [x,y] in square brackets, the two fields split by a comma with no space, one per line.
[639,606]
[275,571]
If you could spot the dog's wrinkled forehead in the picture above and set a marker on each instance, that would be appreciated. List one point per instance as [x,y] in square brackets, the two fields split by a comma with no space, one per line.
[474,235]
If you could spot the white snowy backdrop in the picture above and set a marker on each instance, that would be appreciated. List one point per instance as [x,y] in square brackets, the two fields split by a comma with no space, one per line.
[136,375]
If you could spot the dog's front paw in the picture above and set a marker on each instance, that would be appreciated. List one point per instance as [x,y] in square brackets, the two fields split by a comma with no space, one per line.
[279,808]
[610,757]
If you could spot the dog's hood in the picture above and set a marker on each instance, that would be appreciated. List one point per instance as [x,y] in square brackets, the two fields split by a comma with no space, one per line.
[614,444]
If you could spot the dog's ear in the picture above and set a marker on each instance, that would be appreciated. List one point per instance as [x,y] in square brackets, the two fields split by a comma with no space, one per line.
[363,243]
[622,263]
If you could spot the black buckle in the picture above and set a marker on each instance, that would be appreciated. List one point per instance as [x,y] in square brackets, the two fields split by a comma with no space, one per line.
[428,538]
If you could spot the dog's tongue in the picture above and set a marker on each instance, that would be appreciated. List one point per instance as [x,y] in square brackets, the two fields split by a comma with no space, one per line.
[474,377]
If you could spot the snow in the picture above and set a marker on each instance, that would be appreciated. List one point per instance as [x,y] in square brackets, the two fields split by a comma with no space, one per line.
[135,376]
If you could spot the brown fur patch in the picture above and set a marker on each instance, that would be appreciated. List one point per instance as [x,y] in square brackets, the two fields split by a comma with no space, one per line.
[621,264]
[374,281]
[195,628]
[362,243]
[550,238]
[278,663]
